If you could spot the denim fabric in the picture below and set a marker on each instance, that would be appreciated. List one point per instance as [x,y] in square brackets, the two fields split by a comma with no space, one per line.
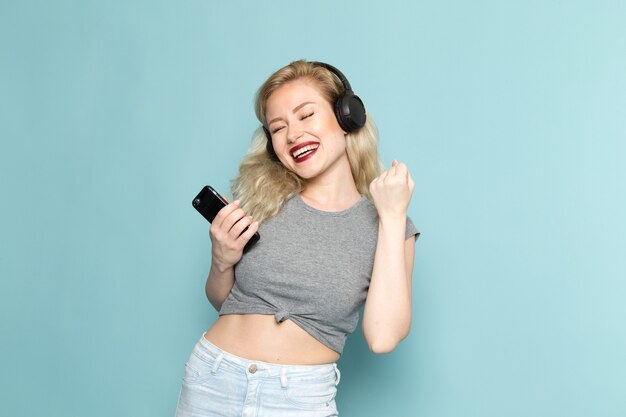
[217,383]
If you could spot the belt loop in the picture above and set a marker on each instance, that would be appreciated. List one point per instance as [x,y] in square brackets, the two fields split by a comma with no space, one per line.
[216,365]
[337,374]
[283,377]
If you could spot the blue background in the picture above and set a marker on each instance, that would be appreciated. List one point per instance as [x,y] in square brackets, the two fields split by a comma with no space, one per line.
[510,115]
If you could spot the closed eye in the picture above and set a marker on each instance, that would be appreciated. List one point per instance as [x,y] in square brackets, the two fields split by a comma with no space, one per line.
[304,116]
[277,129]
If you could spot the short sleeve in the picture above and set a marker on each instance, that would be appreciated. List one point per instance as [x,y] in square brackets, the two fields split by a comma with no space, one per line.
[411,230]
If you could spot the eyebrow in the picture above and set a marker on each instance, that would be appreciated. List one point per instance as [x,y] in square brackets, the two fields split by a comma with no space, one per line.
[295,109]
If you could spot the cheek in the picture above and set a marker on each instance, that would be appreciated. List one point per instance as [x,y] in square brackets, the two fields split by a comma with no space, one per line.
[278,145]
[280,150]
[340,148]
[329,124]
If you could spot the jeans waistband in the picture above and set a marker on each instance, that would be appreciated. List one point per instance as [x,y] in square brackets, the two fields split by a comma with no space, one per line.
[267,368]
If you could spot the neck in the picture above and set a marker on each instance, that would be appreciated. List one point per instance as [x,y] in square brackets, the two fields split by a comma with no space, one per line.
[335,191]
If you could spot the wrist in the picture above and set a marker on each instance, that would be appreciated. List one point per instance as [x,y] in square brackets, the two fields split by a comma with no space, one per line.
[220,266]
[392,217]
[392,222]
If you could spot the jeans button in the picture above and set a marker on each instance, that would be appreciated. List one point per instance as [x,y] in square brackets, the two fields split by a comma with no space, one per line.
[252,369]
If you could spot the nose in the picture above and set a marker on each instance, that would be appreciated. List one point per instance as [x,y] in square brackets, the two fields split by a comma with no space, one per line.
[293,134]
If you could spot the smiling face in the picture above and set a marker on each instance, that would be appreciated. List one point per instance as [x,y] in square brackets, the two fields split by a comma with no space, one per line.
[305,133]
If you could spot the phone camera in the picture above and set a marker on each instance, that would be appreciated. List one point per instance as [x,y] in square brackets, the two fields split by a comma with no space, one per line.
[196,201]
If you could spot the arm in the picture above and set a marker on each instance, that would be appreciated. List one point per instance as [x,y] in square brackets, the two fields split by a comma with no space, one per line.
[227,249]
[387,314]
[218,285]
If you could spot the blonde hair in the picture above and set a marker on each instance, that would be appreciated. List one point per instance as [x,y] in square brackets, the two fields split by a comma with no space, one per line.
[264,184]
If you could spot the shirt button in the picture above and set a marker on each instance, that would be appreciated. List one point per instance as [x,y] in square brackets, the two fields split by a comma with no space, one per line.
[252,369]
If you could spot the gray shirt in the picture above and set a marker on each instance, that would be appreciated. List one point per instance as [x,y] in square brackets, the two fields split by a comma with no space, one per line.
[311,267]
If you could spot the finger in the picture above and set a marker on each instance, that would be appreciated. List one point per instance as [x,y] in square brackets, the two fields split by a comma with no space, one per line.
[390,174]
[225,212]
[372,186]
[240,226]
[220,224]
[233,218]
[394,166]
[376,184]
[252,229]
[410,181]
[401,169]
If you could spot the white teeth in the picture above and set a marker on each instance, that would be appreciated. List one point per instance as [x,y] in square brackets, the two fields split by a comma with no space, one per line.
[306,149]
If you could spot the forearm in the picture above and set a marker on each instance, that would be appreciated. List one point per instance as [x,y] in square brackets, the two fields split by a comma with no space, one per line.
[218,284]
[230,231]
[387,314]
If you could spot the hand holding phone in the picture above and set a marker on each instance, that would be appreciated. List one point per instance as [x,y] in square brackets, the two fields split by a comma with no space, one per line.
[208,202]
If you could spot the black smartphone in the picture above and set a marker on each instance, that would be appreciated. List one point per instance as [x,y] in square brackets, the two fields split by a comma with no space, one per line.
[208,202]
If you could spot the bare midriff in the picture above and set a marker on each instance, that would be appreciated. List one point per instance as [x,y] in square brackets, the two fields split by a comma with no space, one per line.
[259,337]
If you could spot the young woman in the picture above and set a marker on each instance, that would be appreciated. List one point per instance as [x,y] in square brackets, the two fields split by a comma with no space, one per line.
[334,235]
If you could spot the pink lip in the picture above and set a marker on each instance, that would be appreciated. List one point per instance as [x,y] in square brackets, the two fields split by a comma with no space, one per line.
[302,145]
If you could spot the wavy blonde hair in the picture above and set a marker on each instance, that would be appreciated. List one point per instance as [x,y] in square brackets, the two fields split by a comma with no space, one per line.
[264,184]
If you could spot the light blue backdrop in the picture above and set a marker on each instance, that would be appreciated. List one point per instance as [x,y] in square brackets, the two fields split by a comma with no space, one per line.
[510,115]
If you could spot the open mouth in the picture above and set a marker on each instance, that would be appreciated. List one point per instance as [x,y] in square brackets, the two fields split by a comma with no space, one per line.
[304,151]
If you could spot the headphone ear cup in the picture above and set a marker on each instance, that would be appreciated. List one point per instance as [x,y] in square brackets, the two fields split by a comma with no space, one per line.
[350,112]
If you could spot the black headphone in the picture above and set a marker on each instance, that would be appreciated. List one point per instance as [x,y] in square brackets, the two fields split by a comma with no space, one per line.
[349,109]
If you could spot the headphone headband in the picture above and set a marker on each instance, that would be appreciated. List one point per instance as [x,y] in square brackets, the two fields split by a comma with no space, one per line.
[334,70]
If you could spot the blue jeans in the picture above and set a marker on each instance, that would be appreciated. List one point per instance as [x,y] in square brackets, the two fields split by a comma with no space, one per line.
[217,383]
